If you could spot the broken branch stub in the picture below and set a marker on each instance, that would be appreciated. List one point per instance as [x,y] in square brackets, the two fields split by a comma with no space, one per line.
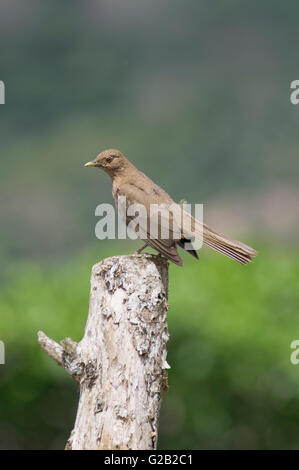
[120,364]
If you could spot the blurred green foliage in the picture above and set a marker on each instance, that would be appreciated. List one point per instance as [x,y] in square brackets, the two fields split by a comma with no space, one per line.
[231,383]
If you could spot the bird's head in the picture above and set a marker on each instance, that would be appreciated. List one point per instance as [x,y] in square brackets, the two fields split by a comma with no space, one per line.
[111,161]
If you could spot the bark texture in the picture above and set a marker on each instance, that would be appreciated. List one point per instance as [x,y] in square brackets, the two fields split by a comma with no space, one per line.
[120,364]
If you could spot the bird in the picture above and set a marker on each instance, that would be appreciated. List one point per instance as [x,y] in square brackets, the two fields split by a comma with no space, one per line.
[137,188]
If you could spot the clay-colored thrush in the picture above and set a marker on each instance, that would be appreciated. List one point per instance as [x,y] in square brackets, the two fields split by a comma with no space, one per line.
[138,188]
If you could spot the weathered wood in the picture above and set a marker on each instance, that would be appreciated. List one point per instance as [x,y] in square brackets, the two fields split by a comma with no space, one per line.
[120,363]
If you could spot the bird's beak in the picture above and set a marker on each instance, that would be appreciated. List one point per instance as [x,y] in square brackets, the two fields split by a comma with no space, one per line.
[90,164]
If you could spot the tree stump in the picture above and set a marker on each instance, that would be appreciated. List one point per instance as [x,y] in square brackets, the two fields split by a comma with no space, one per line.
[120,364]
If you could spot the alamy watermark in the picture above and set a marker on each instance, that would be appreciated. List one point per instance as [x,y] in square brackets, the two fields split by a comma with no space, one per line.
[294,358]
[154,221]
[2,92]
[294,96]
[2,353]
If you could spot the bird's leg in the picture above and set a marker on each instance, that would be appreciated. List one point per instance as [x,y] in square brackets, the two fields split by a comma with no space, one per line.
[142,248]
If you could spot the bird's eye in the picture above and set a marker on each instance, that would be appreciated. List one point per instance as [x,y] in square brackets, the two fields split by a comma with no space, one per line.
[108,159]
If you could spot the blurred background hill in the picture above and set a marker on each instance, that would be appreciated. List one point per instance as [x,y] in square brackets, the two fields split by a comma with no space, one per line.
[196,94]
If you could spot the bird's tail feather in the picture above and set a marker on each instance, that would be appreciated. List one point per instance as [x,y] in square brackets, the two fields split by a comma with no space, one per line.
[234,249]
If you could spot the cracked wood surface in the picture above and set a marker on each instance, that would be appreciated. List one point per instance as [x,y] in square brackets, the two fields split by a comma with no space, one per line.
[120,363]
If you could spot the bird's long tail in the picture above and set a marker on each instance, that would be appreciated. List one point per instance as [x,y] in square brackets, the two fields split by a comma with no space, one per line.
[234,249]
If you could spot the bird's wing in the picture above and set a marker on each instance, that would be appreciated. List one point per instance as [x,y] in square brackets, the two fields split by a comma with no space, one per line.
[154,223]
[154,219]
[169,251]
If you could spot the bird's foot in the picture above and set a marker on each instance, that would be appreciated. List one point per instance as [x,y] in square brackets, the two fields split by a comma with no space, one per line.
[140,249]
